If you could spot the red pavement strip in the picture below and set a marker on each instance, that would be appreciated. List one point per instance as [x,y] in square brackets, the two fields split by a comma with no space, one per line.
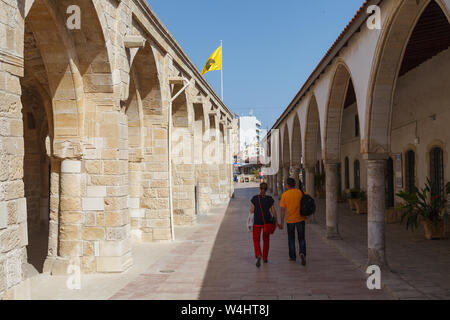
[229,272]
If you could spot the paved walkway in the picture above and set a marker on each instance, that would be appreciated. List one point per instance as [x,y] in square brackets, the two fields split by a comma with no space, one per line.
[219,264]
[214,260]
[420,267]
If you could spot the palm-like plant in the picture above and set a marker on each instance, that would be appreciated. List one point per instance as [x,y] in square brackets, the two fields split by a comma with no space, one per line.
[422,203]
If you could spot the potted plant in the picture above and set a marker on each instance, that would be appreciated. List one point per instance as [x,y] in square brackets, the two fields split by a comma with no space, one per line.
[361,202]
[429,208]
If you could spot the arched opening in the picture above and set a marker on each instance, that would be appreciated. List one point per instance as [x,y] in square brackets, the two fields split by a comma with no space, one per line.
[313,150]
[183,170]
[286,156]
[411,77]
[409,100]
[202,181]
[357,175]
[134,119]
[143,110]
[50,111]
[297,149]
[342,130]
[420,110]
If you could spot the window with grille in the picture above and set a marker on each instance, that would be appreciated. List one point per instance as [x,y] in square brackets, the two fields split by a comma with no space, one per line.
[347,173]
[356,126]
[437,171]
[410,171]
[357,175]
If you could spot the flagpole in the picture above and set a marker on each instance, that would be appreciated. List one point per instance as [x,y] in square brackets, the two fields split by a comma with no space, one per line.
[221,71]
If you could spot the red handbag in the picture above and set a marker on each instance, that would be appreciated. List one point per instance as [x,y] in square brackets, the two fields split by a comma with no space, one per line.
[268,227]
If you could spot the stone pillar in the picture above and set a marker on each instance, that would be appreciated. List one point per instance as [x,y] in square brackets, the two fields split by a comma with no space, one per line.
[280,182]
[285,176]
[275,185]
[331,175]
[310,181]
[297,176]
[135,191]
[70,217]
[376,210]
[310,188]
[55,171]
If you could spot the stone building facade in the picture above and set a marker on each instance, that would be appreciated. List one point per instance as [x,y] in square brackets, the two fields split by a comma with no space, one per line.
[374,113]
[108,135]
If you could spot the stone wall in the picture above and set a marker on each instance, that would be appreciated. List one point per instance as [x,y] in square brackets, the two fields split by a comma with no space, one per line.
[84,136]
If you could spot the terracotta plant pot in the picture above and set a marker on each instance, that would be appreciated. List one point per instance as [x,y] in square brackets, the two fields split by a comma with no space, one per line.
[361,206]
[439,231]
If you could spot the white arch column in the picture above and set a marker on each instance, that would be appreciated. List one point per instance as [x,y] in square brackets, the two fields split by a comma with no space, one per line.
[332,179]
[376,209]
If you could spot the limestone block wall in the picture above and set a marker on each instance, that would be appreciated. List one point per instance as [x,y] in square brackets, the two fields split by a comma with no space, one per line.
[13,208]
[73,159]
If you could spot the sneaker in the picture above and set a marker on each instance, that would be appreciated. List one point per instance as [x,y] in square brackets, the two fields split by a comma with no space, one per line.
[258,262]
[266,261]
[302,256]
[292,260]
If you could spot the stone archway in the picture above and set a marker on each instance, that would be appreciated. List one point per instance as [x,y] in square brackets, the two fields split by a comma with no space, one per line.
[410,74]
[296,150]
[388,66]
[183,168]
[146,139]
[51,113]
[202,201]
[312,144]
[286,159]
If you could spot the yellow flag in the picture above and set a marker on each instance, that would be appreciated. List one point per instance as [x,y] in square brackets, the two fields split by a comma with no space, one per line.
[214,62]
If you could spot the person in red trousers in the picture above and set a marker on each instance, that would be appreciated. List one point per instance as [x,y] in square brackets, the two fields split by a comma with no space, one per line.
[266,204]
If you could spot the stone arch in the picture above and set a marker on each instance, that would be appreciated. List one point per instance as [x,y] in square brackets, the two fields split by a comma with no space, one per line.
[387,66]
[147,76]
[312,140]
[296,144]
[183,168]
[338,100]
[200,134]
[286,147]
[52,109]
[45,30]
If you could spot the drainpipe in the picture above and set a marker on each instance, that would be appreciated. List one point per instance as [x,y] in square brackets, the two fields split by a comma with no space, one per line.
[169,148]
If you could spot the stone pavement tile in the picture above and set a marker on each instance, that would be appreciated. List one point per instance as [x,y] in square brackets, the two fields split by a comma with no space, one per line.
[222,266]
[417,263]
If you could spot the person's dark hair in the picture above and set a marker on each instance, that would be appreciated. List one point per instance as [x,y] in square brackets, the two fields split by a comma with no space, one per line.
[263,188]
[291,182]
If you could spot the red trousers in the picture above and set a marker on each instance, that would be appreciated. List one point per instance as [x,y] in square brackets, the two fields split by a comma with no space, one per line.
[257,242]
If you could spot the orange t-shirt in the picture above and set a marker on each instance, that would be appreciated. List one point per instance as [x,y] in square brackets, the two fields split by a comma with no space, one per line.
[290,200]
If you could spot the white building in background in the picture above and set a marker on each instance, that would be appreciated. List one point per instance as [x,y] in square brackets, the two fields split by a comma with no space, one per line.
[250,135]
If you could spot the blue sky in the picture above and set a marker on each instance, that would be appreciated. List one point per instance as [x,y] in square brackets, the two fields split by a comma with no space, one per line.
[270,47]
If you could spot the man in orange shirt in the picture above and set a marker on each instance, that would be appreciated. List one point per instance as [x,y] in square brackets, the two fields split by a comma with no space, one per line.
[290,206]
